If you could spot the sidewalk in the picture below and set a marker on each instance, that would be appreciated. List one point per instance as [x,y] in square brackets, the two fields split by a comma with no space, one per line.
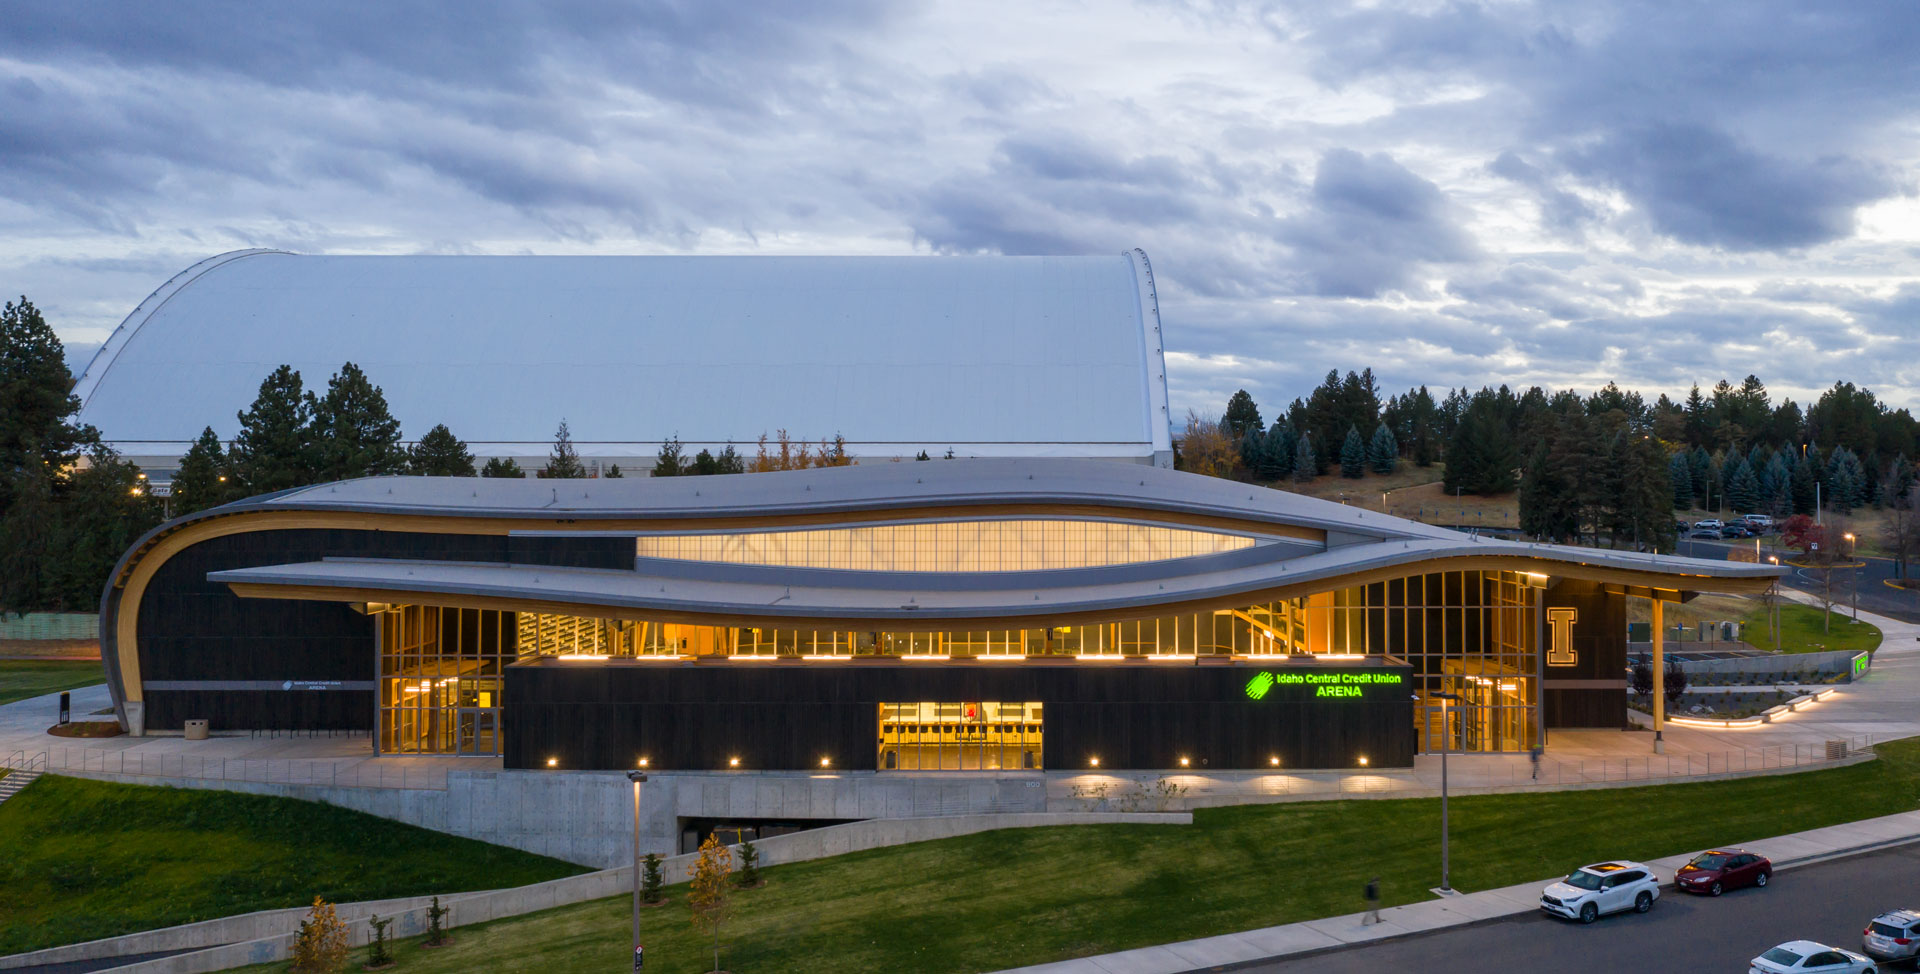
[1333,933]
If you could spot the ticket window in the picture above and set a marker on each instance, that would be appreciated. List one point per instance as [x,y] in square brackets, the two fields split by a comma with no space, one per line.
[960,736]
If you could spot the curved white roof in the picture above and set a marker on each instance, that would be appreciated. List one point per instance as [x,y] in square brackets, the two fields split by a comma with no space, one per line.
[987,356]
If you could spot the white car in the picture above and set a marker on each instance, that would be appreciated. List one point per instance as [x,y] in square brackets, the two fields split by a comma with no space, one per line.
[1605,887]
[1712,522]
[1806,957]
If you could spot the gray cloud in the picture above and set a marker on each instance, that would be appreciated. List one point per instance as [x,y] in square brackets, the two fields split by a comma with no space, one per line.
[1369,226]
[1556,192]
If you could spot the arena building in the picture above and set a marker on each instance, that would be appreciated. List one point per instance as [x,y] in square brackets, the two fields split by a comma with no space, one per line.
[972,356]
[970,615]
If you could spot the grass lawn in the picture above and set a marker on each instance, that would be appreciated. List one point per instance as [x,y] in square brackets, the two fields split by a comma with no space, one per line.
[1801,630]
[23,678]
[1025,896]
[87,859]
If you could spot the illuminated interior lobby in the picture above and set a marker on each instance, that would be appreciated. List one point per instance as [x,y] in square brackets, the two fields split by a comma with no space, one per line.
[1003,615]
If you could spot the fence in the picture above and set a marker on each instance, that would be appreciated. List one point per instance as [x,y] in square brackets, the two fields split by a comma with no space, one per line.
[1467,773]
[50,625]
[399,772]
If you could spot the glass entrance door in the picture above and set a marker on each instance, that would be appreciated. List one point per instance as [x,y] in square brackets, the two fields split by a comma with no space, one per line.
[478,731]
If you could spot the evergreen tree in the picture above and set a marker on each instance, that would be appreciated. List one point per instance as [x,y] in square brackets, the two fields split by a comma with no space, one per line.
[613,471]
[501,467]
[1306,462]
[1251,445]
[35,401]
[1425,428]
[202,480]
[1242,417]
[274,448]
[672,461]
[1277,451]
[440,454]
[1844,485]
[563,463]
[1777,485]
[1481,457]
[1641,505]
[354,434]
[27,542]
[1383,451]
[1680,482]
[1743,488]
[1353,455]
[704,465]
[103,511]
[1700,467]
[730,461]
[1801,489]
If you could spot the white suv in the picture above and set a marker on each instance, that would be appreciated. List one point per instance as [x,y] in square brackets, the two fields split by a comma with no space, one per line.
[1712,522]
[1606,887]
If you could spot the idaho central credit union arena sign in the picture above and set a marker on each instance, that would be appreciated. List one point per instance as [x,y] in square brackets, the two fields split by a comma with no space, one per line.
[1339,684]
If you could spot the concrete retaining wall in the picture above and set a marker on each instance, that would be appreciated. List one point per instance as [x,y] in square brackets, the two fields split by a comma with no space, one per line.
[587,817]
[258,938]
[1770,669]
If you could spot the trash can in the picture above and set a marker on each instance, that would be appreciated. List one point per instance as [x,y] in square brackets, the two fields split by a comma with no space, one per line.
[1836,750]
[196,730]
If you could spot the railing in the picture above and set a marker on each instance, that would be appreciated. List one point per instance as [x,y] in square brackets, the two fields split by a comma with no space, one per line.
[1467,773]
[400,772]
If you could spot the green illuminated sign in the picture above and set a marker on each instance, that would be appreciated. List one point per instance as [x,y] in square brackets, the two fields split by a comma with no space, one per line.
[1859,668]
[1324,684]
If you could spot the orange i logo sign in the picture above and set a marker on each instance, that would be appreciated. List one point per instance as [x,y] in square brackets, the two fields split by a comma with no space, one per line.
[1560,651]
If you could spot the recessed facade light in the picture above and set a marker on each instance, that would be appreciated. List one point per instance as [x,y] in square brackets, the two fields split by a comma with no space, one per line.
[553,762]
[733,762]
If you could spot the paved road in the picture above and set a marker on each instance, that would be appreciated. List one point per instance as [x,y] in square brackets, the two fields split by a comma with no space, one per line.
[1829,902]
[1875,594]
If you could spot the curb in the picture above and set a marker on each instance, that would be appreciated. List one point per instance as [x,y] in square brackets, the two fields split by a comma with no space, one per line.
[1794,863]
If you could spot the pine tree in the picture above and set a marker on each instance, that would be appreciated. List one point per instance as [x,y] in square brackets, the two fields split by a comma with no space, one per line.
[1353,455]
[1800,489]
[1777,485]
[1277,451]
[354,434]
[613,472]
[563,463]
[440,454]
[35,401]
[202,480]
[274,448]
[704,464]
[1306,462]
[502,467]
[1242,415]
[1743,488]
[672,461]
[1680,482]
[730,461]
[1383,451]
[1700,467]
[1251,444]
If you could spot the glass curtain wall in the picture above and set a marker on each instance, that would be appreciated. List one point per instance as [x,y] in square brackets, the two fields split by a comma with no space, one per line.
[977,736]
[950,546]
[439,681]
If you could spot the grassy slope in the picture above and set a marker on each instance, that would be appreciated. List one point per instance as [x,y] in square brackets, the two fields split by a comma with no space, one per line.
[23,678]
[87,859]
[1002,899]
[1801,631]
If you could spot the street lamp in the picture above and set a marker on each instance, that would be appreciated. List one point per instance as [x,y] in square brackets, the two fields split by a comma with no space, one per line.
[638,778]
[1446,744]
[1854,574]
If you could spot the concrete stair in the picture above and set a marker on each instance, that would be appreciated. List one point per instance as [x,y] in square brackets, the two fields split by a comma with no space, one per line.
[15,782]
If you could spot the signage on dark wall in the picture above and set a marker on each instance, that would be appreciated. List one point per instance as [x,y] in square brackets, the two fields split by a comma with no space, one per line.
[1339,685]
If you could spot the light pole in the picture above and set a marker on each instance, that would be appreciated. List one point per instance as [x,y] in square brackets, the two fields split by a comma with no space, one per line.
[1853,574]
[638,778]
[1446,744]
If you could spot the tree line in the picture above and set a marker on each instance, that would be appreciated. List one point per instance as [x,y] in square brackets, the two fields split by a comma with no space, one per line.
[1610,465]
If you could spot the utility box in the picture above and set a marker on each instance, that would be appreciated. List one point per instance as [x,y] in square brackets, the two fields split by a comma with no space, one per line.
[1639,632]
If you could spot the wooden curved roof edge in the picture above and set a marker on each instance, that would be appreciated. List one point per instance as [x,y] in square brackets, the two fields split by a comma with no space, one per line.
[119,629]
[932,618]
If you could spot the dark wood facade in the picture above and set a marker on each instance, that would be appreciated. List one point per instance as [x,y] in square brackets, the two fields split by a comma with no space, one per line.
[277,664]
[788,715]
[1593,691]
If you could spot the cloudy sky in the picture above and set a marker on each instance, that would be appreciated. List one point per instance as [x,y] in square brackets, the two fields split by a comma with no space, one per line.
[1454,193]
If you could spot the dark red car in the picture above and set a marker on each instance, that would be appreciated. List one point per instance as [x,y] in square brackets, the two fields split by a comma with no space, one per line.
[1713,873]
